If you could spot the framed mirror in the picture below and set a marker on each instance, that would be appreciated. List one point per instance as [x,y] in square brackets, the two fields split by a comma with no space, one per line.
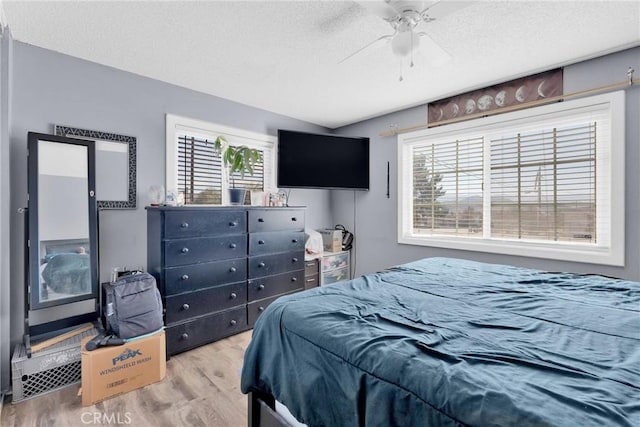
[115,166]
[62,229]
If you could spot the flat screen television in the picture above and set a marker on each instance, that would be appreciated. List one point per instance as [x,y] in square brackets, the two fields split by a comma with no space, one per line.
[310,160]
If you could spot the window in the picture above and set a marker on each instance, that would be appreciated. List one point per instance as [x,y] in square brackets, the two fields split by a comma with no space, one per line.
[195,169]
[447,179]
[545,182]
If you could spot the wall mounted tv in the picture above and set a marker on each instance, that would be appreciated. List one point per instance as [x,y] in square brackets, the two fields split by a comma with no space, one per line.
[309,160]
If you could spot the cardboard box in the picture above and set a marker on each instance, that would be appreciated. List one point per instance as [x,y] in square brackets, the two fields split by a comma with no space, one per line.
[331,240]
[109,371]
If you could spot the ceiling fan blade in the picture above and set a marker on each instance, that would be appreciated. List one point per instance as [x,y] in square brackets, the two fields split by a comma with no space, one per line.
[379,39]
[380,8]
[442,8]
[435,54]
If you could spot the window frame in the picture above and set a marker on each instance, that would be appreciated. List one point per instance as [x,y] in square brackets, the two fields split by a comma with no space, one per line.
[613,106]
[178,124]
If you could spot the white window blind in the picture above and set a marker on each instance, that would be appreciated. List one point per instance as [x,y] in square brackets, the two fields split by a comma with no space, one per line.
[545,182]
[194,167]
[199,171]
[447,179]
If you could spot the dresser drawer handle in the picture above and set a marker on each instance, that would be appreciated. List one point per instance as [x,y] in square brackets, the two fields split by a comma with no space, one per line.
[294,279]
[185,277]
[262,264]
[260,219]
[261,242]
[294,259]
[260,287]
[233,223]
[294,240]
[233,295]
[294,219]
[185,307]
[232,270]
[184,250]
[233,322]
[184,225]
[311,280]
[232,246]
[261,308]
[184,336]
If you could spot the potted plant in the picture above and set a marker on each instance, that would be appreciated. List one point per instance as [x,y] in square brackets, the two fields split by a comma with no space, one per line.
[236,159]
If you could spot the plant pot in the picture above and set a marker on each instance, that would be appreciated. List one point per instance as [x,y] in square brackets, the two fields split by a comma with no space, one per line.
[236,196]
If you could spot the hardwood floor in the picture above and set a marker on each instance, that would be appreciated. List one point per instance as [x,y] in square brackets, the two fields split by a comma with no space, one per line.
[202,388]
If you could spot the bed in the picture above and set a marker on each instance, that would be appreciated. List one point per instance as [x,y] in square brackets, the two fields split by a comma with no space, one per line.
[441,342]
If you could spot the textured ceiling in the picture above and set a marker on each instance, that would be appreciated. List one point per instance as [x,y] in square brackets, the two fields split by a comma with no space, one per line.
[283,56]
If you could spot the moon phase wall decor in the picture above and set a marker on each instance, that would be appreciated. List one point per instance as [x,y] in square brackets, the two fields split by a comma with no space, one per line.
[494,98]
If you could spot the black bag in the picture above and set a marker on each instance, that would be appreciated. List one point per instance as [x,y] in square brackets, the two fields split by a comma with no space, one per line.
[347,237]
[133,305]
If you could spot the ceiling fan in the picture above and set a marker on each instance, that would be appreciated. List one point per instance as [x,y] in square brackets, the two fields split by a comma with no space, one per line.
[404,17]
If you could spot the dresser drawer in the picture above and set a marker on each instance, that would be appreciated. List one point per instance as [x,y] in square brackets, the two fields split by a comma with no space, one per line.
[198,276]
[276,219]
[201,223]
[269,242]
[185,306]
[204,249]
[265,287]
[311,267]
[311,281]
[202,330]
[255,309]
[267,265]
[331,261]
[335,275]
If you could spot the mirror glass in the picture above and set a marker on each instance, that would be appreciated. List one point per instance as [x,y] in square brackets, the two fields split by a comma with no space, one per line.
[63,223]
[115,166]
[112,170]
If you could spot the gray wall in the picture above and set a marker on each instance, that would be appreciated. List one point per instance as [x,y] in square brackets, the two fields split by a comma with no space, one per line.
[5,87]
[377,246]
[50,88]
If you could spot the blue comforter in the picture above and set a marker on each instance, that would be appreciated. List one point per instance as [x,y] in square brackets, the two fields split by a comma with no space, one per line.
[442,342]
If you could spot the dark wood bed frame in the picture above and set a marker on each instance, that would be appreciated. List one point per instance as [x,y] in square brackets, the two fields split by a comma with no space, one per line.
[262,411]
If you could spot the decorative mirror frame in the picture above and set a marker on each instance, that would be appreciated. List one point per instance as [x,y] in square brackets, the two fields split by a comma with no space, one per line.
[130,203]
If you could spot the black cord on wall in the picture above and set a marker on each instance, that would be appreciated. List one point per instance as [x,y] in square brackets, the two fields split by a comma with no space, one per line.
[355,235]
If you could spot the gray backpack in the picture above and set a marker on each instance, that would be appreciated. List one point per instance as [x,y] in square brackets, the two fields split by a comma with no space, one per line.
[133,306]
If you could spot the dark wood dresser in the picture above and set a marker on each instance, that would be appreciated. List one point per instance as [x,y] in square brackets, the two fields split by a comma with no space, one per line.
[218,268]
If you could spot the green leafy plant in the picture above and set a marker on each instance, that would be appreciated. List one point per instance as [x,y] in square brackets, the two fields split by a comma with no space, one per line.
[240,159]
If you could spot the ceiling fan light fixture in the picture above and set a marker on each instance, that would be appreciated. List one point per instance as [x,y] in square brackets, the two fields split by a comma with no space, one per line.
[405,42]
